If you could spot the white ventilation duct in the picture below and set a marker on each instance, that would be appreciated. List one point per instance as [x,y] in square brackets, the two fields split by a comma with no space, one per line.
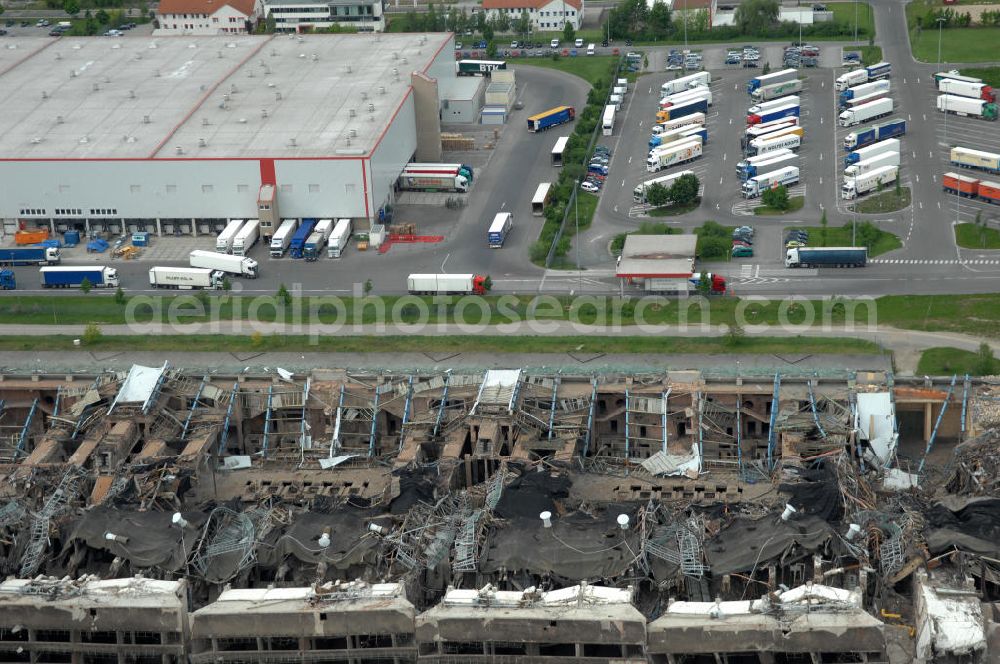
[787,514]
[546,518]
[623,521]
[853,531]
[179,520]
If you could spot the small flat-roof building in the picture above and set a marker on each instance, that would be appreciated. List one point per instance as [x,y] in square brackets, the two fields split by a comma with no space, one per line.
[580,624]
[173,129]
[659,262]
[461,99]
[355,622]
[314,15]
[89,620]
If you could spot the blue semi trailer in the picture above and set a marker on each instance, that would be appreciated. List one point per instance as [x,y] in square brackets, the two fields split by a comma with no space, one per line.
[298,244]
[871,135]
[72,276]
[29,256]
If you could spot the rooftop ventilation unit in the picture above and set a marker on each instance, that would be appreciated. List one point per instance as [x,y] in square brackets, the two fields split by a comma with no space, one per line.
[36,140]
[138,56]
[145,119]
[263,113]
[179,150]
[105,79]
[403,60]
[233,89]
[45,95]
[243,120]
[381,89]
[218,54]
[72,73]
[267,70]
[292,142]
[348,69]
[302,56]
[351,113]
[131,94]
[277,96]
[364,96]
[60,119]
[371,108]
[225,97]
[250,74]
[353,133]
[156,74]
[58,56]
[201,143]
[84,140]
[192,46]
[300,40]
[274,53]
[315,58]
[204,122]
[95,88]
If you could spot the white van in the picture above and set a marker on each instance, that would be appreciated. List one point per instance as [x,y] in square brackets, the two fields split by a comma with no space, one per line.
[578,43]
[591,49]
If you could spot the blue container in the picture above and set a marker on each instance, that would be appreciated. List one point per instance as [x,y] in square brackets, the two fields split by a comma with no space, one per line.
[140,239]
[71,238]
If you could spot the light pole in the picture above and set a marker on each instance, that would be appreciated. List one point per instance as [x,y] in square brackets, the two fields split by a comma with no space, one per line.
[855,21]
[685,28]
[940,22]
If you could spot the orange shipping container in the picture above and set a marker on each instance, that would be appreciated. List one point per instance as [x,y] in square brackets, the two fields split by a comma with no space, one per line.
[31,237]
[962,185]
[989,191]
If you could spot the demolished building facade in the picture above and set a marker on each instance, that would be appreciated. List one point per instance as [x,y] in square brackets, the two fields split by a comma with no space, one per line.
[501,515]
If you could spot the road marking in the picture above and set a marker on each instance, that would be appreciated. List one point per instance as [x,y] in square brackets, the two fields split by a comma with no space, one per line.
[918,80]
[934,178]
[616,210]
[909,117]
[939,205]
[716,206]
[916,175]
[822,84]
[503,205]
[925,116]
[724,156]
[821,119]
[720,180]
[821,180]
[623,182]
[914,154]
[821,156]
[443,262]
[921,205]
[630,158]
[930,154]
[904,81]
[730,121]
[650,90]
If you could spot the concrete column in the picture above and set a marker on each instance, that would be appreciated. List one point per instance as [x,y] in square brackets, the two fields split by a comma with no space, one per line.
[194,228]
[928,421]
[52,226]
[159,228]
[86,226]
[123,227]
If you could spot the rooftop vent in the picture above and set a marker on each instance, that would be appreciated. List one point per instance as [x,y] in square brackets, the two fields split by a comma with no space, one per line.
[35,140]
[274,53]
[277,96]
[225,97]
[58,56]
[364,96]
[403,60]
[202,143]
[263,113]
[300,40]
[95,88]
[192,46]
[204,122]
[105,79]
[138,56]
[72,73]
[45,95]
[302,56]
[60,119]
[292,142]
[381,89]
[179,150]
[315,58]
[218,54]
[351,113]
[250,74]
[267,70]
[131,94]
[243,120]
[348,69]
[156,74]
[231,45]
[395,55]
[395,72]
[371,108]
[152,45]
[233,89]
[145,119]
[353,133]
[84,140]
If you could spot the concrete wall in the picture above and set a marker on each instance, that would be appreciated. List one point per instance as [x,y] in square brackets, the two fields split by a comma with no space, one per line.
[428,118]
[396,149]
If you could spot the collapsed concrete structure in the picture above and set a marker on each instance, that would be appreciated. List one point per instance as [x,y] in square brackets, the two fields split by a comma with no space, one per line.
[501,515]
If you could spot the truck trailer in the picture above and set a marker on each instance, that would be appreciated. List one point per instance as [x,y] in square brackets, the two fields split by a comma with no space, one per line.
[671,136]
[685,82]
[973,90]
[871,135]
[770,79]
[756,159]
[765,106]
[954,75]
[7,280]
[965,106]
[871,163]
[757,185]
[498,231]
[246,238]
[863,75]
[869,182]
[283,237]
[970,187]
[446,284]
[688,108]
[865,112]
[185,278]
[298,244]
[337,242]
[772,162]
[665,181]
[826,257]
[72,276]
[29,256]
[776,90]
[411,182]
[888,145]
[863,90]
[868,98]
[677,123]
[976,159]
[551,118]
[784,141]
[673,155]
[213,260]
[686,96]
[783,111]
[224,241]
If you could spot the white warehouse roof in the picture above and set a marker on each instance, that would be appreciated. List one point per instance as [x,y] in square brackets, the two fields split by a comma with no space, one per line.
[213,97]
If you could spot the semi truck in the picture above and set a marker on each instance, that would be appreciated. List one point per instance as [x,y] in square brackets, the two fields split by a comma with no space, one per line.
[716,283]
[298,244]
[224,241]
[976,90]
[954,75]
[7,280]
[758,131]
[446,284]
[969,187]
[863,75]
[246,238]
[862,90]
[977,159]
[212,260]
[770,79]
[317,240]
[772,163]
[283,237]
[865,112]
[438,170]
[976,108]
[186,278]
[770,115]
[776,90]
[757,185]
[435,177]
[673,155]
[551,118]
[872,163]
[676,123]
[478,67]
[685,82]
[888,145]
[865,137]
[763,107]
[693,106]
[498,231]
[869,182]
[337,243]
[670,136]
[756,159]
[687,95]
[858,101]
[666,181]
[760,146]
[71,276]
[826,257]
[29,256]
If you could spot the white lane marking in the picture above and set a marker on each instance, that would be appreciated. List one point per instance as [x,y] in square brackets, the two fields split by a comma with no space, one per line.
[821,156]
[914,154]
[443,262]
[503,205]
[916,175]
[925,116]
[930,154]
[724,156]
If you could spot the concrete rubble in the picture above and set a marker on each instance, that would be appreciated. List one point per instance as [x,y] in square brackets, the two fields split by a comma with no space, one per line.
[504,515]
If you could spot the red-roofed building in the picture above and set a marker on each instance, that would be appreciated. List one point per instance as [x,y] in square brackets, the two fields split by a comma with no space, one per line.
[207,17]
[545,14]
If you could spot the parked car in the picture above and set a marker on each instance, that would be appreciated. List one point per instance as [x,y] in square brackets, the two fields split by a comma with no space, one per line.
[458,46]
[733,59]
[745,229]
[590,186]
[42,23]
[578,43]
[554,43]
[792,244]
[2,32]
[616,51]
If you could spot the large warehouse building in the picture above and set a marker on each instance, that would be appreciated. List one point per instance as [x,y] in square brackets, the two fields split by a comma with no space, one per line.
[175,134]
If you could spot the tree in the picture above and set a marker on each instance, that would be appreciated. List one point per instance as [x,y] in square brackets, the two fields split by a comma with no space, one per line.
[684,190]
[523,25]
[985,360]
[488,283]
[92,334]
[776,198]
[284,295]
[658,23]
[735,333]
[368,287]
[569,34]
[501,22]
[822,227]
[704,284]
[755,17]
[86,285]
[119,296]
[491,49]
[102,17]
[488,32]
[71,7]
[657,195]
